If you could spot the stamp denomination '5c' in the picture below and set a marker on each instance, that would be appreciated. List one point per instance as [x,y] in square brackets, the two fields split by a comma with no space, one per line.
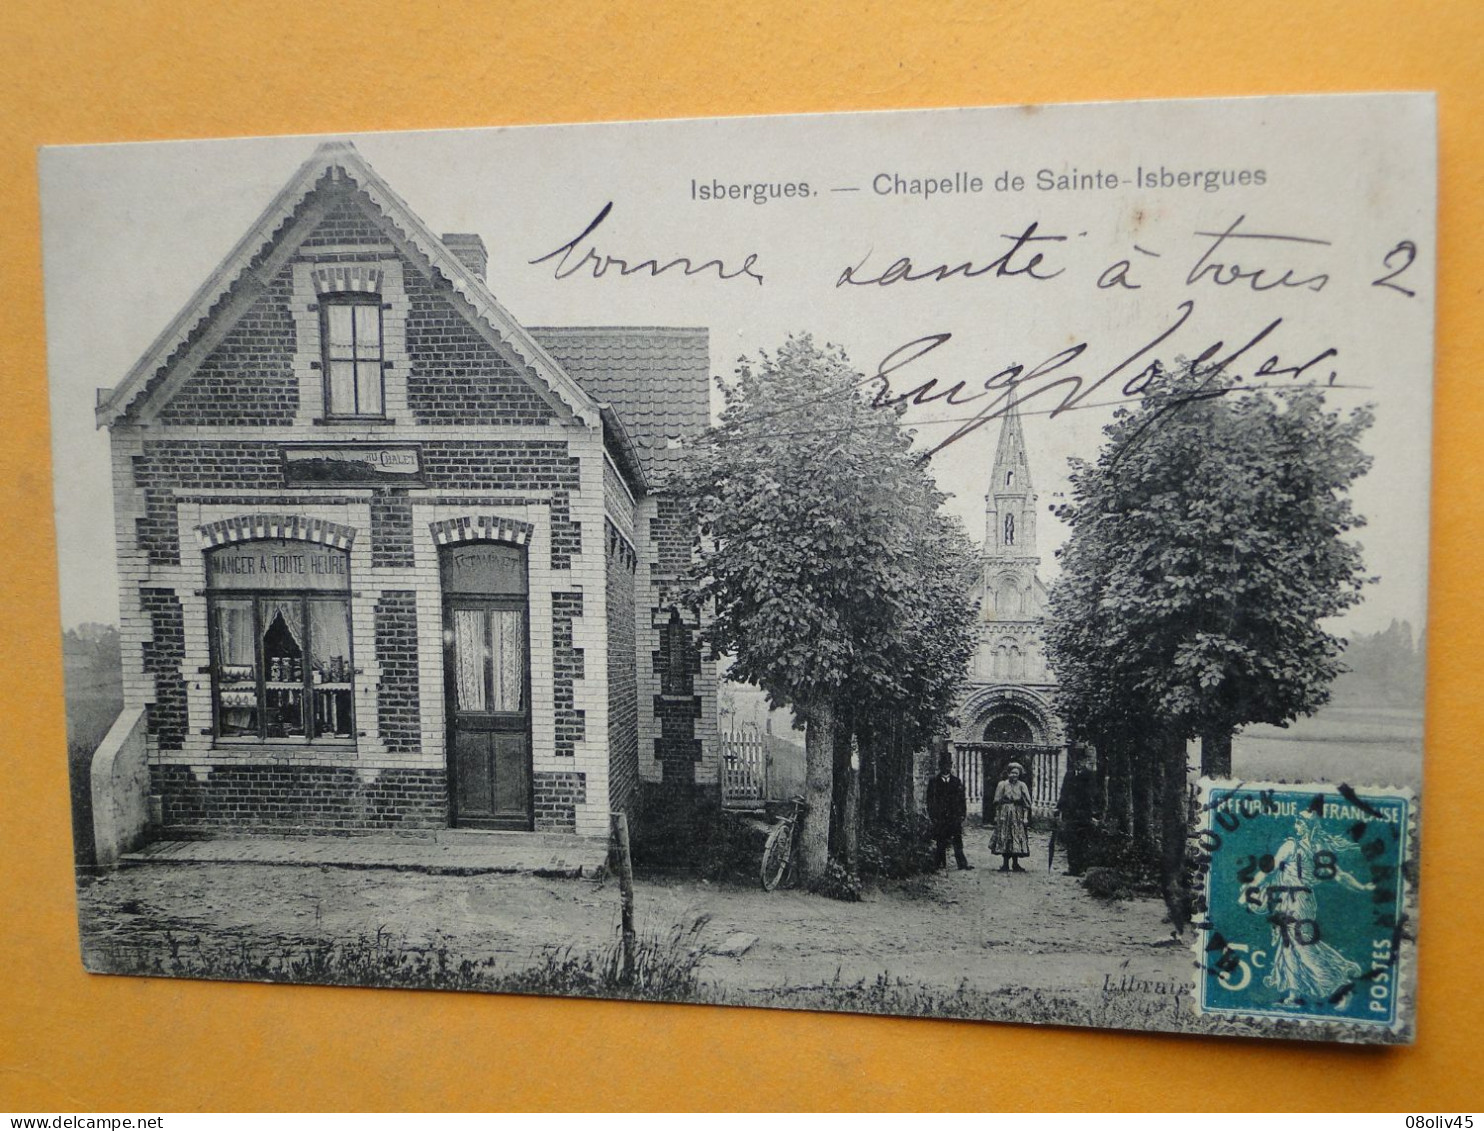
[1305,894]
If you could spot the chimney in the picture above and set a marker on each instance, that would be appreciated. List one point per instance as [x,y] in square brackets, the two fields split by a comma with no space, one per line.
[469,249]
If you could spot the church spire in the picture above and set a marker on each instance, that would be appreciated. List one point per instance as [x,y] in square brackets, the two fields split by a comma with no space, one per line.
[1010,505]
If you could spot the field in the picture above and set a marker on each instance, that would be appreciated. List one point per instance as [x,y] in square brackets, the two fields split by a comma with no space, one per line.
[1356,745]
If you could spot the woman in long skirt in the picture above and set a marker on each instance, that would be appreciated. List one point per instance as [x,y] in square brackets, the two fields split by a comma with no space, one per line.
[1012,815]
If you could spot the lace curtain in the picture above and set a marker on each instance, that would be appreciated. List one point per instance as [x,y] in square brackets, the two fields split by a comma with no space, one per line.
[291,612]
[507,629]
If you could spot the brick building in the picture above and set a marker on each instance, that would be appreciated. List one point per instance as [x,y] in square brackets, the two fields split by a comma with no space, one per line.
[388,559]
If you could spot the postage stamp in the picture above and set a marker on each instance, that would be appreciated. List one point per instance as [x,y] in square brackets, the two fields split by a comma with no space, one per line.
[1306,890]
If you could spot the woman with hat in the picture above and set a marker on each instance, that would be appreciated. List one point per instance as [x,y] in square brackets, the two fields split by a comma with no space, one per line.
[1012,815]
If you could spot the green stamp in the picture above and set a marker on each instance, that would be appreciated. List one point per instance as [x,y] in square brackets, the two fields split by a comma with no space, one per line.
[1305,902]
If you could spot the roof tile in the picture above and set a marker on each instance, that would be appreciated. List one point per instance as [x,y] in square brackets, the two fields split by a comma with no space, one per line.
[656,377]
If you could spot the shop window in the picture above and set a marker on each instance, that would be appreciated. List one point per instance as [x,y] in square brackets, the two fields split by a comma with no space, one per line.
[351,340]
[281,667]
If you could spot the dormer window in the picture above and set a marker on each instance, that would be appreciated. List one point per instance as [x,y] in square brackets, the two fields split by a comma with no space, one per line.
[350,334]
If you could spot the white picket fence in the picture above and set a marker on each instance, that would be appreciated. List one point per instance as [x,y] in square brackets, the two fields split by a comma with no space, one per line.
[744,768]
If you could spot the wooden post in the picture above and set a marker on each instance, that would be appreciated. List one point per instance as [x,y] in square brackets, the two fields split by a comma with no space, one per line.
[626,892]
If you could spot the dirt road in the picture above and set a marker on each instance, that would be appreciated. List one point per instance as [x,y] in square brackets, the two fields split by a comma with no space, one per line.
[984,930]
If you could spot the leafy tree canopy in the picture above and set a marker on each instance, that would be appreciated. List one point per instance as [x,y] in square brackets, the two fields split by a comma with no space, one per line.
[824,554]
[1207,549]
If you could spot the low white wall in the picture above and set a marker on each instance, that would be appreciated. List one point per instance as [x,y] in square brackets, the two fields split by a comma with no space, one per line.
[120,787]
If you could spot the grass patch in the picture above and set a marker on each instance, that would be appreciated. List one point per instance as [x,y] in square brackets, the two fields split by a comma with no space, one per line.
[665,966]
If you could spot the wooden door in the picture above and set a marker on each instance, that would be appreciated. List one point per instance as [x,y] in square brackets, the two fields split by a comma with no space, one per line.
[489,712]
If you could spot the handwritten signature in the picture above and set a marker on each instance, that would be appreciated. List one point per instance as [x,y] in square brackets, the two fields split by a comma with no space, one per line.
[1055,385]
[600,263]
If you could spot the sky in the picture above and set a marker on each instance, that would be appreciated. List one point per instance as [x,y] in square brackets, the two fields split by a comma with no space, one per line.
[130,232]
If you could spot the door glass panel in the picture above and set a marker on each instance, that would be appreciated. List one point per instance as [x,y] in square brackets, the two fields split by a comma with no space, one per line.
[469,653]
[508,633]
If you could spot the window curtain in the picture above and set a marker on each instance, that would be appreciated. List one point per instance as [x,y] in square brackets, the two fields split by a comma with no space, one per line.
[510,659]
[469,653]
[234,642]
[329,636]
[291,612]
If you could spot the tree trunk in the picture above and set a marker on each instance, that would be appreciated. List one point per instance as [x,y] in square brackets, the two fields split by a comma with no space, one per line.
[841,783]
[850,815]
[1174,812]
[904,786]
[870,775]
[1119,816]
[895,773]
[1143,766]
[1216,754]
[819,779]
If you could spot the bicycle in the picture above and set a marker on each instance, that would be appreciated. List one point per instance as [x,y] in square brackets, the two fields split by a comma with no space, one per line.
[781,852]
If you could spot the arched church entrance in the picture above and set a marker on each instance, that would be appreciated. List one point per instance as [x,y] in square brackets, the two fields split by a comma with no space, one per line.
[1009,730]
[1004,727]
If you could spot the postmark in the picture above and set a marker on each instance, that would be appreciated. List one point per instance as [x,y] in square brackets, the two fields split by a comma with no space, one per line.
[1306,895]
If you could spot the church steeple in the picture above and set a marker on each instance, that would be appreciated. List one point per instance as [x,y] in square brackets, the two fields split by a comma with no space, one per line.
[1010,505]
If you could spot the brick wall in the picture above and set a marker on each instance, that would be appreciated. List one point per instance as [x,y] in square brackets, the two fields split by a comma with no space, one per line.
[350,219]
[166,464]
[470,465]
[670,534]
[623,686]
[456,377]
[292,798]
[677,748]
[567,666]
[398,718]
[541,465]
[391,530]
[557,796]
[248,380]
[164,652]
[677,724]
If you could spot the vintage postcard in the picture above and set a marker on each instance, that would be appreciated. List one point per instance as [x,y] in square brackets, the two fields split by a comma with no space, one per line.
[950,563]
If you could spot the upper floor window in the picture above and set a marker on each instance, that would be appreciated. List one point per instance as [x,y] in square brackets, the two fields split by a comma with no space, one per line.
[350,333]
[1009,530]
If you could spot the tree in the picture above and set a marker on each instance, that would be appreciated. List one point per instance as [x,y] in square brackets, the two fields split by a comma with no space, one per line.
[1207,549]
[1383,669]
[821,555]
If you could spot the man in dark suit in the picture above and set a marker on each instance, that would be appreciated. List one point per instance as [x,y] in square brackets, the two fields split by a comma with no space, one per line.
[947,805]
[1077,810]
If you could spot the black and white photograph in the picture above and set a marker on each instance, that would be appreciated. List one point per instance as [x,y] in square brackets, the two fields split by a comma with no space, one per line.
[959,563]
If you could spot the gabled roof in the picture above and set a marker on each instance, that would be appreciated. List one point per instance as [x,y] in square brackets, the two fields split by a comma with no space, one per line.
[657,378]
[251,263]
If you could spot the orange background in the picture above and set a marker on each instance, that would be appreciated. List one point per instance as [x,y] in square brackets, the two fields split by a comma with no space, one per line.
[76,73]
